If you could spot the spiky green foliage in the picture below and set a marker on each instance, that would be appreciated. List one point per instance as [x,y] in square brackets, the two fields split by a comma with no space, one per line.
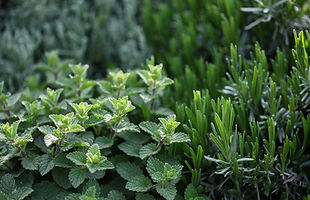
[257,131]
[193,36]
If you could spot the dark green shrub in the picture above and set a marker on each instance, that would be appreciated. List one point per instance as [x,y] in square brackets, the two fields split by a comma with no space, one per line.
[193,37]
[256,138]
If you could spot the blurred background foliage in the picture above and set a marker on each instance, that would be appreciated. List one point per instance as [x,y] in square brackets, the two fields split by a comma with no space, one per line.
[101,33]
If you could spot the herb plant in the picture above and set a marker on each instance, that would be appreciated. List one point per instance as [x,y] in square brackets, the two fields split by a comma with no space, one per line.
[223,113]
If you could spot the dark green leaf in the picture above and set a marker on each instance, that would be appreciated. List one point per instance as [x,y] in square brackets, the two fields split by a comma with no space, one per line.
[46,163]
[130,149]
[139,184]
[77,176]
[148,150]
[167,190]
[128,170]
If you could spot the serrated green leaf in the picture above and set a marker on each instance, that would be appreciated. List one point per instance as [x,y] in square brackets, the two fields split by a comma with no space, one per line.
[99,166]
[179,137]
[21,193]
[130,149]
[77,176]
[167,190]
[94,150]
[81,139]
[27,134]
[104,142]
[128,170]
[30,162]
[46,164]
[76,128]
[79,158]
[148,150]
[145,77]
[8,152]
[7,184]
[165,81]
[92,121]
[149,127]
[46,129]
[154,166]
[139,184]
[126,126]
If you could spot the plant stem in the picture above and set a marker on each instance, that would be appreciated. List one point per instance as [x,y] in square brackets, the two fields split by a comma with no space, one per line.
[153,94]
[22,152]
[113,132]
[79,90]
[58,144]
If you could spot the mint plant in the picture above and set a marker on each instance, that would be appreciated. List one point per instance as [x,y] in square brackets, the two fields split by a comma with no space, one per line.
[116,120]
[78,86]
[164,176]
[81,110]
[155,81]
[116,84]
[9,190]
[92,159]
[163,134]
[65,124]
[9,134]
[33,109]
[7,102]
[51,100]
